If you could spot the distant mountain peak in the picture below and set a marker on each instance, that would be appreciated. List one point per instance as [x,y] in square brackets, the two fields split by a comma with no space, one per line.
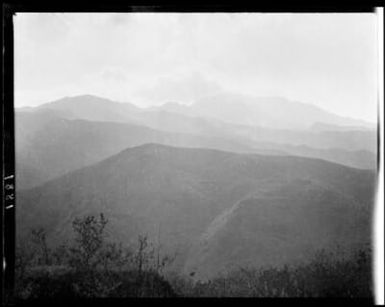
[172,104]
[148,148]
[151,146]
[80,99]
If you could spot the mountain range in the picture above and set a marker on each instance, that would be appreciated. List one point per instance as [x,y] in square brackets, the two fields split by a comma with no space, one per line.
[70,133]
[193,198]
[225,182]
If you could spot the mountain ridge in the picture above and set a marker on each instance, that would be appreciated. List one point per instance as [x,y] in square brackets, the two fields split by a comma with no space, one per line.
[229,99]
[185,190]
[48,145]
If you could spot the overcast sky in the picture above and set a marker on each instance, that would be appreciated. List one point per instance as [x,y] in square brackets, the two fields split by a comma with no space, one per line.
[147,59]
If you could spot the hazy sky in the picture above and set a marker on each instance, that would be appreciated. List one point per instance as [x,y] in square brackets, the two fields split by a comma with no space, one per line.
[324,59]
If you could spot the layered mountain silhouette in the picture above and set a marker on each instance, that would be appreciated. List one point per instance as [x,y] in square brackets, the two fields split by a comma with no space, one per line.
[74,132]
[228,181]
[265,112]
[48,146]
[216,208]
[268,112]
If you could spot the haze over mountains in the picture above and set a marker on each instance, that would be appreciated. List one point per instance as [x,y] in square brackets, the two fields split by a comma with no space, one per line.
[87,129]
[269,112]
[224,182]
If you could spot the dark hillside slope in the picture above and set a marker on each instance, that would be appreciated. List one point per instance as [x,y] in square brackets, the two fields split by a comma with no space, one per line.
[285,225]
[176,193]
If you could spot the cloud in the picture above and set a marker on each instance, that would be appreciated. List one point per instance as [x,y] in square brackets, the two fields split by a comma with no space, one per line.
[326,59]
[183,87]
[114,74]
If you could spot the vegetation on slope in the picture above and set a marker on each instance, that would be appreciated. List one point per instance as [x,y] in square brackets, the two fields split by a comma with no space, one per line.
[92,266]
